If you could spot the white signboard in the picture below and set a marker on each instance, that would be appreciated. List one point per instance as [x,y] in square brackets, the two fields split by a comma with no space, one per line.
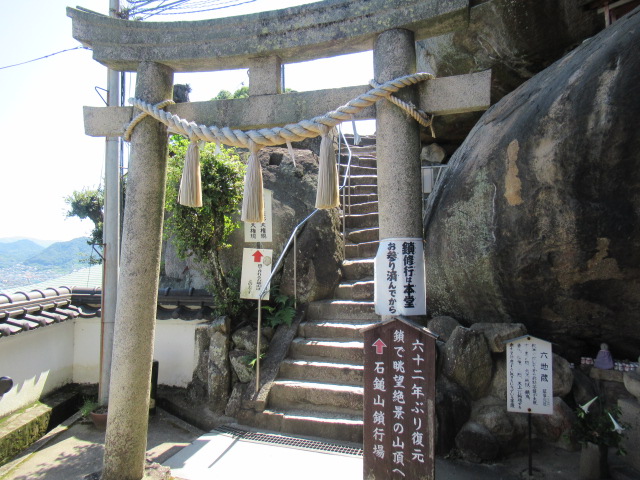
[399,277]
[529,376]
[261,232]
[256,268]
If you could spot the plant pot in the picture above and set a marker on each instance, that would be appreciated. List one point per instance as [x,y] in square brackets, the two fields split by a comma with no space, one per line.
[594,462]
[99,420]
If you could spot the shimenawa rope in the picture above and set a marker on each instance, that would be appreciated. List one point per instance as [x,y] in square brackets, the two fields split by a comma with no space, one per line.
[252,207]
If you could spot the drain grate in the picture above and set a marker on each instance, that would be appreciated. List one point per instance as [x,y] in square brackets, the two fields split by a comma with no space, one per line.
[288,441]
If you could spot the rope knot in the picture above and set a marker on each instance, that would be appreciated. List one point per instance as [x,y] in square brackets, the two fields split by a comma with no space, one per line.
[138,118]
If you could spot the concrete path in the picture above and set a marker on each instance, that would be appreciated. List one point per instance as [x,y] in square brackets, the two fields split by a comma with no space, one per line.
[75,450]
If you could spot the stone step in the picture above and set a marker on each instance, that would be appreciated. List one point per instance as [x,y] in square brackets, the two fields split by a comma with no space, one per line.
[360,208]
[370,162]
[322,371]
[361,250]
[326,397]
[363,235]
[362,220]
[357,290]
[344,427]
[357,170]
[347,310]
[364,180]
[357,189]
[344,350]
[358,268]
[357,199]
[334,329]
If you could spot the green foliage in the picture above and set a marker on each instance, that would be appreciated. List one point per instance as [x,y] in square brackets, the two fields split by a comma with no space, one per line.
[88,203]
[203,231]
[250,360]
[596,425]
[282,312]
[242,92]
[88,406]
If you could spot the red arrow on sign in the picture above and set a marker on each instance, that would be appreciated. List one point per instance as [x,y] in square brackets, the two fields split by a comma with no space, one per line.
[379,344]
[257,256]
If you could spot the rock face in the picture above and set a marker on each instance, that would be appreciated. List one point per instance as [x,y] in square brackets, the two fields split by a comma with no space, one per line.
[515,39]
[468,361]
[536,220]
[294,191]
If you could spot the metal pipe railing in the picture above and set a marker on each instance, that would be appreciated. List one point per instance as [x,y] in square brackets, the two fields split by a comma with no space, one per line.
[293,239]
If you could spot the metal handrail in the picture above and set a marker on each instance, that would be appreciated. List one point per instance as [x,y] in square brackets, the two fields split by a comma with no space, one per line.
[292,238]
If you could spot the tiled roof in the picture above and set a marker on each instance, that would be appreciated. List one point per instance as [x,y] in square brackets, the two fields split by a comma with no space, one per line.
[85,277]
[27,310]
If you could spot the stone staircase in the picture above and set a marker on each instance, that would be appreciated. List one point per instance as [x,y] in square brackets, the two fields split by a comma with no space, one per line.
[319,389]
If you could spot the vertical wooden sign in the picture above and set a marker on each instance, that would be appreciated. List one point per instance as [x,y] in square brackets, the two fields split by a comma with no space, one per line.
[399,401]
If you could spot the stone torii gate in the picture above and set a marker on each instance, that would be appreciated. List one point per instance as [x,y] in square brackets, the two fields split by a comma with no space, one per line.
[262,43]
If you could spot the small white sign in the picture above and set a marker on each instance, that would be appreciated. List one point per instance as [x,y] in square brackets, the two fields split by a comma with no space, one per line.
[399,277]
[529,376]
[261,232]
[256,268]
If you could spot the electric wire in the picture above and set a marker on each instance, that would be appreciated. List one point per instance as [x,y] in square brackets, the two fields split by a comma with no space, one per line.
[79,47]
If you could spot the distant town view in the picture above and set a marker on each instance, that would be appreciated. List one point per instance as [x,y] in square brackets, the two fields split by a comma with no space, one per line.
[28,261]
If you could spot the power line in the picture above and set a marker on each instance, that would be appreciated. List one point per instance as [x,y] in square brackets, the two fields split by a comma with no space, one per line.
[148,8]
[46,56]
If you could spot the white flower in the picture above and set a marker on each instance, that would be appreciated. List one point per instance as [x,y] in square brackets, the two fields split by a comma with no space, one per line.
[585,407]
[616,425]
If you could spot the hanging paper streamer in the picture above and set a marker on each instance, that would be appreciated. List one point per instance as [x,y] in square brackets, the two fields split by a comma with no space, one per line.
[217,151]
[190,193]
[252,200]
[327,195]
[356,137]
[291,154]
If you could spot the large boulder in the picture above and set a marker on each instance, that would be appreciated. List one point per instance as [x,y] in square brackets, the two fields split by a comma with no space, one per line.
[507,428]
[476,443]
[515,39]
[453,407]
[537,218]
[467,361]
[294,193]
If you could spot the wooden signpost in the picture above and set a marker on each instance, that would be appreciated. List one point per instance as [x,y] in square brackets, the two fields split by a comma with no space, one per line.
[399,401]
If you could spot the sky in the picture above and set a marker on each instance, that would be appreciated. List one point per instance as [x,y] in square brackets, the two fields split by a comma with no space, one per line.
[45,154]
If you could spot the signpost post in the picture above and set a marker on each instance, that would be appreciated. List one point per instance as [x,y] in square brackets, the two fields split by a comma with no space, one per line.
[399,401]
[529,379]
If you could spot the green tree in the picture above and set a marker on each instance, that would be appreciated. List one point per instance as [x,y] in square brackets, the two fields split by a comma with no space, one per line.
[242,92]
[202,232]
[88,203]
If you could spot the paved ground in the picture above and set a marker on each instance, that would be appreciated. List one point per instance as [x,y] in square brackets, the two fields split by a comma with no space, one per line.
[76,449]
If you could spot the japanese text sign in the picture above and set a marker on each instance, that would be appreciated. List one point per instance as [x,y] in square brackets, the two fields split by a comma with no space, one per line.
[261,232]
[529,376]
[399,277]
[399,399]
[256,268]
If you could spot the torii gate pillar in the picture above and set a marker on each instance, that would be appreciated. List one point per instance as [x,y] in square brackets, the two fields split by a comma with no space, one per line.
[397,141]
[126,438]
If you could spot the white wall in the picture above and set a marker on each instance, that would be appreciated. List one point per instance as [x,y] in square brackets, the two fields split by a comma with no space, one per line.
[39,361]
[42,360]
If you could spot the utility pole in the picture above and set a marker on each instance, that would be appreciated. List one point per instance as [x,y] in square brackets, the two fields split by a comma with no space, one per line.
[111,234]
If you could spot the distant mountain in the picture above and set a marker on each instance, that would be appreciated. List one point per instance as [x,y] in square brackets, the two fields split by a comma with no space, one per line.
[37,241]
[17,252]
[62,254]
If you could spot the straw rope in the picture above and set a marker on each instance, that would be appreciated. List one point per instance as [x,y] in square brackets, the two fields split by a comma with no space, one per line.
[289,133]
